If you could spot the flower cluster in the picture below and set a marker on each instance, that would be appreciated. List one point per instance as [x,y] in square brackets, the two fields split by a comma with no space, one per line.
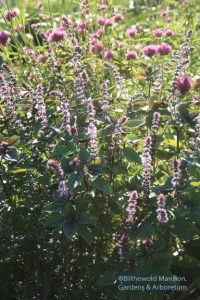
[161,211]
[65,109]
[176,175]
[146,167]
[105,103]
[92,130]
[62,186]
[154,129]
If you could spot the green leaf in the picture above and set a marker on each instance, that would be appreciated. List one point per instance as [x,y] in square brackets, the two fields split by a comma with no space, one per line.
[86,218]
[106,279]
[84,155]
[131,155]
[103,186]
[74,181]
[55,220]
[86,234]
[53,206]
[70,230]
[183,228]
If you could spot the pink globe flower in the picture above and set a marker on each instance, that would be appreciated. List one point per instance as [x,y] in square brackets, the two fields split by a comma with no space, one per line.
[100,21]
[168,20]
[169,33]
[150,50]
[39,5]
[119,44]
[95,46]
[18,28]
[164,49]
[184,84]
[3,38]
[57,35]
[41,16]
[98,33]
[8,14]
[82,31]
[158,33]
[118,17]
[108,22]
[132,32]
[41,58]
[34,26]
[66,23]
[109,54]
[131,55]
[164,13]
[16,12]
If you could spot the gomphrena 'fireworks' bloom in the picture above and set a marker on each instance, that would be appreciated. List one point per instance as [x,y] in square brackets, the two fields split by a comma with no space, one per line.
[39,5]
[158,33]
[62,186]
[176,174]
[34,26]
[164,49]
[146,167]
[98,34]
[150,50]
[10,14]
[118,17]
[184,84]
[108,22]
[100,21]
[3,38]
[132,32]
[57,35]
[95,46]
[109,54]
[41,58]
[161,211]
[131,55]
[169,33]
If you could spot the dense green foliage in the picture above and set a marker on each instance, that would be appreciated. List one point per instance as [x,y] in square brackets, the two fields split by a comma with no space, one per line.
[79,132]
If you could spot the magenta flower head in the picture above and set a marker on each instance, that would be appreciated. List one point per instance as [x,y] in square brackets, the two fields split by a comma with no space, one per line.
[100,21]
[39,5]
[168,20]
[164,13]
[158,33]
[109,54]
[131,55]
[184,84]
[8,14]
[34,26]
[95,46]
[132,32]
[150,50]
[98,33]
[57,35]
[3,38]
[118,17]
[169,33]
[164,49]
[41,58]
[108,22]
